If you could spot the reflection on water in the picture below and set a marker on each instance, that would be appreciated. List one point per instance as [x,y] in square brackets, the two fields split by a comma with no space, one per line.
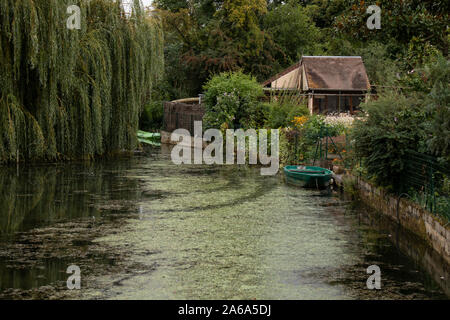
[51,271]
[36,200]
[199,232]
[41,195]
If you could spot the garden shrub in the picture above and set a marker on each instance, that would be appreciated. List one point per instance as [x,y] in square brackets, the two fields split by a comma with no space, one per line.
[152,116]
[317,126]
[437,103]
[281,114]
[392,125]
[231,101]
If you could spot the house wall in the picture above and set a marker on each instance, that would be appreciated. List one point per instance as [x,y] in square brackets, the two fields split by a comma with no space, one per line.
[325,104]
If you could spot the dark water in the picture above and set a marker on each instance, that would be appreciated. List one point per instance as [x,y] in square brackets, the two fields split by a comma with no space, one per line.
[144,228]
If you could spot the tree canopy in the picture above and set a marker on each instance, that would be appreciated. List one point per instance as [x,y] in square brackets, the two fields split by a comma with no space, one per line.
[206,37]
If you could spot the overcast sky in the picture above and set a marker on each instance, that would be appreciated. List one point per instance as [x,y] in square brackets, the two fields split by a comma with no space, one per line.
[146,3]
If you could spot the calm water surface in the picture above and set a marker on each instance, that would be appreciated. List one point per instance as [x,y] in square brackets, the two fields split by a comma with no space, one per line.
[143,228]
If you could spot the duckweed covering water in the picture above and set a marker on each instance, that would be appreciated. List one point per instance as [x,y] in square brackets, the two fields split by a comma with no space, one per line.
[147,229]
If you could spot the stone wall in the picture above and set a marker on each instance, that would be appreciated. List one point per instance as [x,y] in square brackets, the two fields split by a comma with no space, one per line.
[435,230]
[412,246]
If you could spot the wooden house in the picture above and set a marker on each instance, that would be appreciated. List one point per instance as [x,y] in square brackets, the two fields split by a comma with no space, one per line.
[333,84]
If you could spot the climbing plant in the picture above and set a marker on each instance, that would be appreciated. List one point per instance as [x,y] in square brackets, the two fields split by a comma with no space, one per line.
[67,94]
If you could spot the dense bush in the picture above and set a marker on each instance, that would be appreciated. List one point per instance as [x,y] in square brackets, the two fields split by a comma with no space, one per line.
[282,114]
[437,103]
[231,101]
[316,127]
[418,119]
[298,143]
[294,147]
[391,125]
[152,116]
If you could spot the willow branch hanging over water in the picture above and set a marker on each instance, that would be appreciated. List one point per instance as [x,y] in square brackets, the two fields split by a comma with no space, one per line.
[70,94]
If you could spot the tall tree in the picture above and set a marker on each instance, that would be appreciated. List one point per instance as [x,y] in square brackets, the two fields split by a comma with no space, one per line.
[293,31]
[74,93]
[216,36]
[405,23]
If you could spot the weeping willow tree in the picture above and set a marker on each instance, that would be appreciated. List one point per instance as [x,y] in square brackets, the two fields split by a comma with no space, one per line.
[70,94]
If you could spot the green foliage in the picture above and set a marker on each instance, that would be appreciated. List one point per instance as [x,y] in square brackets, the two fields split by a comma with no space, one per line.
[351,186]
[420,52]
[280,114]
[293,31]
[276,115]
[316,128]
[287,152]
[392,125]
[294,147]
[74,93]
[209,37]
[324,12]
[401,22]
[381,69]
[152,116]
[231,100]
[297,143]
[206,37]
[437,103]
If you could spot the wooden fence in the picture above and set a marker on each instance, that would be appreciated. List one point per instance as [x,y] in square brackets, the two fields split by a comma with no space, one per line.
[180,115]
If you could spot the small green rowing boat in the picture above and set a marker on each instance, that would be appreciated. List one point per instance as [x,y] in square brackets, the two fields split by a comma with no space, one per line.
[150,138]
[309,177]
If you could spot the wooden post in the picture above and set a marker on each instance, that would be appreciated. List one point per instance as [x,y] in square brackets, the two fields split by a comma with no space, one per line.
[339,107]
[351,104]
[311,103]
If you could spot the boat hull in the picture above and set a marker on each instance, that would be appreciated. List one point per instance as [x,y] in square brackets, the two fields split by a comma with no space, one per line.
[308,177]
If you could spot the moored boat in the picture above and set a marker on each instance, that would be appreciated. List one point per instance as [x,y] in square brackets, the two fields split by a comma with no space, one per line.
[307,176]
[149,138]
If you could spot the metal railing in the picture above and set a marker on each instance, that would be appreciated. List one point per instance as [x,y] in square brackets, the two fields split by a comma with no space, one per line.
[426,180]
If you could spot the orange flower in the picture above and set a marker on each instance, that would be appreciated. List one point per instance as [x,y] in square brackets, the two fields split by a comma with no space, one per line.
[300,121]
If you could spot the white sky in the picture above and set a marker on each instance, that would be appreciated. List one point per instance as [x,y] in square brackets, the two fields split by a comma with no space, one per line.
[145,3]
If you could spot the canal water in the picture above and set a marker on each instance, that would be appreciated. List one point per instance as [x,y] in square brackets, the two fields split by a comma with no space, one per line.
[144,228]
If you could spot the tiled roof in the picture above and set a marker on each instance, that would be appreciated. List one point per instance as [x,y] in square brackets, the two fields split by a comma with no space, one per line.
[335,73]
[331,73]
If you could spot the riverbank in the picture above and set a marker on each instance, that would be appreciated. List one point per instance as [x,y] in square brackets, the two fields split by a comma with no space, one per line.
[432,228]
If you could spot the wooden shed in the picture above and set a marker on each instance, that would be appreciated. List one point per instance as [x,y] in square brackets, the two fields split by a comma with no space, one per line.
[333,84]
